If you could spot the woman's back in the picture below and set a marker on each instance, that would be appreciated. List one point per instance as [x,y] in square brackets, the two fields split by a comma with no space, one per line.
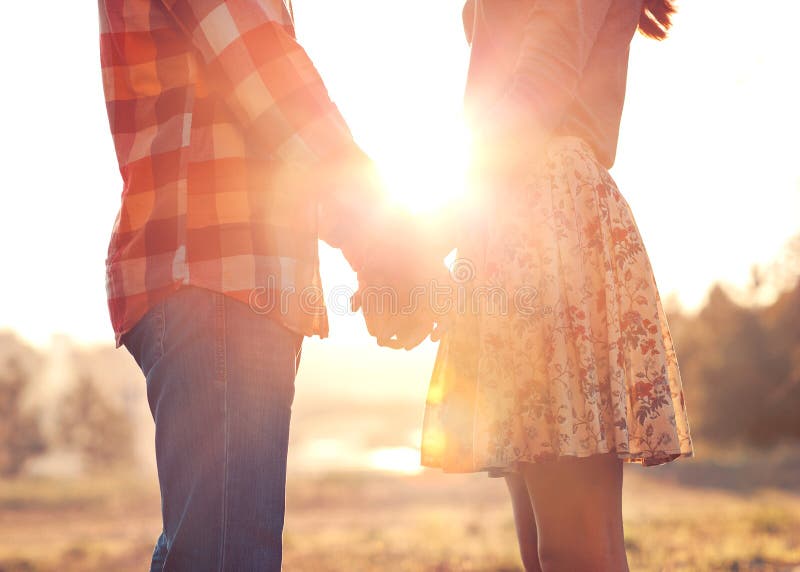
[572,76]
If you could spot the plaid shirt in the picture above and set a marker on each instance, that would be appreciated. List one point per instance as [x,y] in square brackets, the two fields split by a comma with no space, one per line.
[220,122]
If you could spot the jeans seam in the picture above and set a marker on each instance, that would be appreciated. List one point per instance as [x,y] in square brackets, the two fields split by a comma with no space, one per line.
[162,330]
[221,377]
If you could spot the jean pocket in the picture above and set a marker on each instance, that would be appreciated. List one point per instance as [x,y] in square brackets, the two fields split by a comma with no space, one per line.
[145,341]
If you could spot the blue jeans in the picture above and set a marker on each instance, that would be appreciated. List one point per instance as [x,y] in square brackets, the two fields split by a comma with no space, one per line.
[220,384]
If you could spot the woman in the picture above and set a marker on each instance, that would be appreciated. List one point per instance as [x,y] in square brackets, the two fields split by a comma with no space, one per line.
[576,373]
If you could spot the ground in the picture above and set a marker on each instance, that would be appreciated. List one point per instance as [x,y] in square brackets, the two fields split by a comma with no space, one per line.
[700,518]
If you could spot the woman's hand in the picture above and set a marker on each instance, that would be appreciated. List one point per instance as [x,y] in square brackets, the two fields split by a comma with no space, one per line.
[397,291]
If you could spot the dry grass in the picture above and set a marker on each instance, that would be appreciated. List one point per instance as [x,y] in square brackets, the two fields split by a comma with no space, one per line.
[429,522]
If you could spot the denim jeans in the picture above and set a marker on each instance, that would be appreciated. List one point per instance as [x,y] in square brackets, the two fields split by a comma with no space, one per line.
[220,384]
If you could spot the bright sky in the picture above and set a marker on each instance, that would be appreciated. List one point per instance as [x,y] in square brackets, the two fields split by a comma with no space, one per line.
[708,157]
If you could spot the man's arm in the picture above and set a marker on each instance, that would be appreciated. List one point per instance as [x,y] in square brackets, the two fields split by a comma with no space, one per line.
[468,19]
[267,79]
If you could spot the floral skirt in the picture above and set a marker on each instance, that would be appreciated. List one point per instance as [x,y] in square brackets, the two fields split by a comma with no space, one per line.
[559,345]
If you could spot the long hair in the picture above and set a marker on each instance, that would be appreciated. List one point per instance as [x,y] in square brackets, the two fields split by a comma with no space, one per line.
[656,18]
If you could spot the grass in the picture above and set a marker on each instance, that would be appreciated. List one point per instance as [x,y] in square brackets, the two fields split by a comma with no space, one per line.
[430,522]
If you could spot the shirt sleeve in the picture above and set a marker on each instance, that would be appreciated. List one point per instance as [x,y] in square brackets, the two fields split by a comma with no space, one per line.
[269,82]
[265,76]
[468,18]
[558,39]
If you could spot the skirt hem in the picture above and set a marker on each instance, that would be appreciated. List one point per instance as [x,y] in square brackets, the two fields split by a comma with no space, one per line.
[499,470]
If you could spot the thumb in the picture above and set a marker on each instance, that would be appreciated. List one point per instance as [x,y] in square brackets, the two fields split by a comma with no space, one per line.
[355,301]
[442,327]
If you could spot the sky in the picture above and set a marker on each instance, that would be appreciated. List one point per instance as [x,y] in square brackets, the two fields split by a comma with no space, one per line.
[707,159]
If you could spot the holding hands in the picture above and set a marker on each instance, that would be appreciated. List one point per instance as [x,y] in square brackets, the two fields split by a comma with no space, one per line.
[399,258]
[398,283]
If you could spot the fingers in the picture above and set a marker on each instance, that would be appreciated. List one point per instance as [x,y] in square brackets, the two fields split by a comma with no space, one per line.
[417,334]
[405,342]
[379,326]
[413,331]
[443,324]
[399,330]
[373,322]
[380,321]
[355,301]
[412,341]
[389,328]
[391,343]
[397,312]
[439,331]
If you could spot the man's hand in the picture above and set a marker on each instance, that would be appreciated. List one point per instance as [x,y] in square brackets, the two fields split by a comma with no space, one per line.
[396,290]
[397,313]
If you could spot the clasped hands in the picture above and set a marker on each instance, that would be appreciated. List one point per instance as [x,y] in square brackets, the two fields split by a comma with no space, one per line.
[399,259]
[397,283]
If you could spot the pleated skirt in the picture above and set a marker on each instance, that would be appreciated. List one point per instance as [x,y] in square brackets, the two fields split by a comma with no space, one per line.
[559,345]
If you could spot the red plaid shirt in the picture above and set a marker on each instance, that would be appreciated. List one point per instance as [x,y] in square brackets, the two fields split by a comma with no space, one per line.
[217,114]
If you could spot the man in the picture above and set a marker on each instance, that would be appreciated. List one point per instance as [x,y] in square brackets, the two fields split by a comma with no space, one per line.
[234,161]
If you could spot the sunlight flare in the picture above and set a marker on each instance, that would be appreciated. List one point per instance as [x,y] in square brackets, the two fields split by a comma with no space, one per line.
[403,460]
[428,173]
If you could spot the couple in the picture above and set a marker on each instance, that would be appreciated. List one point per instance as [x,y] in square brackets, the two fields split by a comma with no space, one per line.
[235,162]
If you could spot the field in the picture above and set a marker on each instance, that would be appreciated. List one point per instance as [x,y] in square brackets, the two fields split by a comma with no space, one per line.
[696,516]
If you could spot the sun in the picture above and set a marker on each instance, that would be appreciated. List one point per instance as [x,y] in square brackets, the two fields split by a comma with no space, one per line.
[426,172]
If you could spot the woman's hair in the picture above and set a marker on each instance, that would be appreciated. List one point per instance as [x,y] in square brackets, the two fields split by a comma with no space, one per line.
[656,18]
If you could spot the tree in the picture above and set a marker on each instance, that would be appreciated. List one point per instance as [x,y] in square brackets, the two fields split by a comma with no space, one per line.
[741,370]
[20,431]
[89,424]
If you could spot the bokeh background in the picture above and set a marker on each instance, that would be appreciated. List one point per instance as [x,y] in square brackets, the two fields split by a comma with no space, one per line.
[709,160]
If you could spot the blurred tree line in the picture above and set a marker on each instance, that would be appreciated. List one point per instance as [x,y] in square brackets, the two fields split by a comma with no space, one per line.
[741,369]
[740,361]
[86,423]
[20,430]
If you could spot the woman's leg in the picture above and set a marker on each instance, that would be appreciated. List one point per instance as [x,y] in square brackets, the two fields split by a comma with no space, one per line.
[578,508]
[525,522]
